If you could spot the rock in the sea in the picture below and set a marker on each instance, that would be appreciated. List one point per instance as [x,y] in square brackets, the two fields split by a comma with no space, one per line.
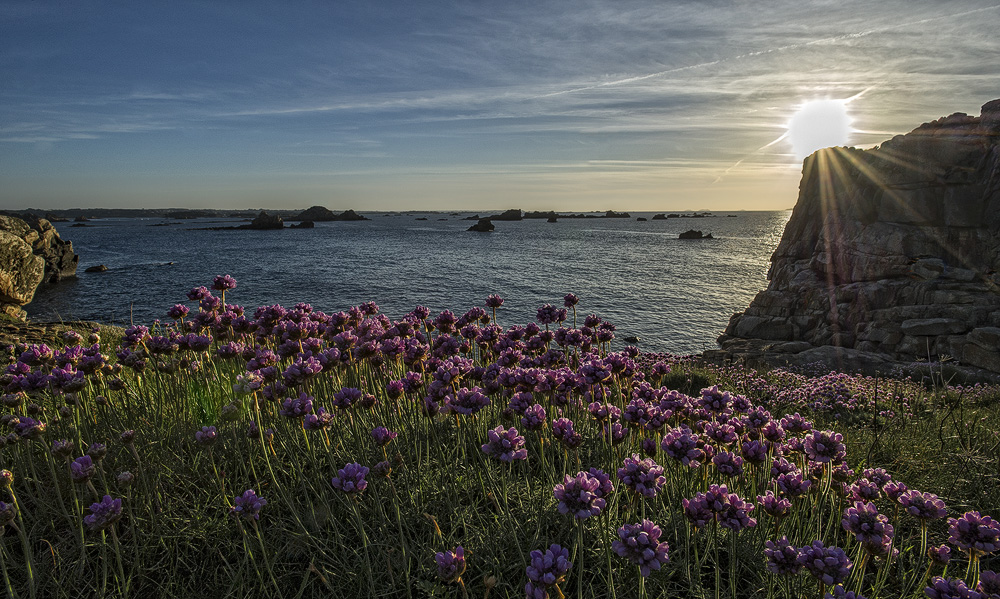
[895,255]
[512,214]
[319,214]
[306,224]
[265,221]
[641,219]
[483,226]
[552,219]
[97,268]
[659,217]
[692,234]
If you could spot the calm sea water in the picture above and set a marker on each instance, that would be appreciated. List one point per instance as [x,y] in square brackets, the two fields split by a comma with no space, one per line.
[675,295]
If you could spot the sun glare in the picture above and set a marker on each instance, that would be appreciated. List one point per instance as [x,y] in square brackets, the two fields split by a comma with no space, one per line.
[819,124]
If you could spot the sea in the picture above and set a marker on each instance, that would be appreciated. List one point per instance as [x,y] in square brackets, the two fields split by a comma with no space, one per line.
[674,295]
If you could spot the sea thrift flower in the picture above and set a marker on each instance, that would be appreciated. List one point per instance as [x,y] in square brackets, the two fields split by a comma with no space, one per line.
[494,301]
[570,300]
[546,570]
[894,490]
[8,511]
[562,430]
[505,444]
[82,469]
[923,506]
[207,436]
[829,565]
[681,444]
[644,477]
[989,584]
[383,436]
[580,495]
[782,557]
[468,401]
[869,527]
[940,555]
[776,507]
[728,464]
[614,433]
[825,447]
[248,505]
[949,588]
[223,283]
[793,484]
[534,418]
[104,513]
[97,451]
[450,564]
[351,478]
[975,533]
[640,544]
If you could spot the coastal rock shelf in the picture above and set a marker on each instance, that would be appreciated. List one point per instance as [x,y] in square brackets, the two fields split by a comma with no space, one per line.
[891,255]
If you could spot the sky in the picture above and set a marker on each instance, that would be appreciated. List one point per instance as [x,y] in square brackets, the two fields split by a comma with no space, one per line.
[643,105]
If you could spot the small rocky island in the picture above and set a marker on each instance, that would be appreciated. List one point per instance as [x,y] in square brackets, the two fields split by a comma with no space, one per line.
[895,258]
[693,234]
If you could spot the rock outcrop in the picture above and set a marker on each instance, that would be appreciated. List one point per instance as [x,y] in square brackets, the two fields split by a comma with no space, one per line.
[891,255]
[483,226]
[265,221]
[693,234]
[511,215]
[319,214]
[31,253]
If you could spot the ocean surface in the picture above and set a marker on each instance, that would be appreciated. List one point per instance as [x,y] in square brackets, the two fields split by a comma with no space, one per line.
[675,295]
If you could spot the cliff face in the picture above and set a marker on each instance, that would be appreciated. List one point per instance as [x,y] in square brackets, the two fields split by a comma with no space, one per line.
[890,254]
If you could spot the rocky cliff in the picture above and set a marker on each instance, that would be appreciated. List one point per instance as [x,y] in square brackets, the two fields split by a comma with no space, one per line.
[31,253]
[891,255]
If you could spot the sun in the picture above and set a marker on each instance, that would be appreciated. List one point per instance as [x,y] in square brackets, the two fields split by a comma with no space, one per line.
[819,124]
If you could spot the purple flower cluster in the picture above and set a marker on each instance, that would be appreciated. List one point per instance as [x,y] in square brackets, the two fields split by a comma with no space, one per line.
[644,477]
[103,513]
[351,478]
[718,504]
[248,505]
[580,495]
[869,527]
[546,570]
[640,544]
[505,444]
[383,436]
[829,565]
[782,557]
[450,564]
[974,533]
[923,506]
[950,588]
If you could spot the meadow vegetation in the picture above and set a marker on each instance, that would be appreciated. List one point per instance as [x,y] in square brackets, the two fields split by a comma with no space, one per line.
[287,452]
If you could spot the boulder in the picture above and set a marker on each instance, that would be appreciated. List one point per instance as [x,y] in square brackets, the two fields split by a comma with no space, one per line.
[692,234]
[483,226]
[96,268]
[896,257]
[306,224]
[60,260]
[20,273]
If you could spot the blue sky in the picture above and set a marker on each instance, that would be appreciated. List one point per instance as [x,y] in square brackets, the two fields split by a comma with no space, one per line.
[584,105]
